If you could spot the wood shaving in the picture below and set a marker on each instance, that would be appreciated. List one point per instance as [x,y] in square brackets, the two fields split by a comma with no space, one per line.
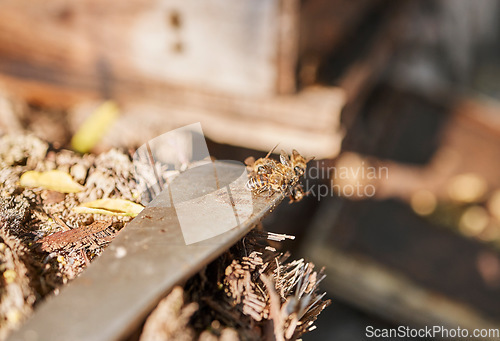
[253,293]
[170,319]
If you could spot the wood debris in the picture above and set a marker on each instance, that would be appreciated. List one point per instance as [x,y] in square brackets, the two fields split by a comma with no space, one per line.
[170,319]
[17,295]
[93,236]
[285,292]
[252,293]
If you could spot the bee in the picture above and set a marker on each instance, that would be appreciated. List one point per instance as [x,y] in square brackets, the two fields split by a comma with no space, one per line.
[297,193]
[268,175]
[292,169]
[297,162]
[271,183]
[264,165]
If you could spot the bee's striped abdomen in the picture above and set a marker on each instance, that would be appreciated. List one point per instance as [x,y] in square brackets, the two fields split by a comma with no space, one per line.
[257,182]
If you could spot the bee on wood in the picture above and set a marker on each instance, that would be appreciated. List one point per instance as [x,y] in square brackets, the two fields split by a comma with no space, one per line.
[267,175]
[286,169]
[258,183]
[297,193]
[292,169]
[264,165]
[271,183]
[297,162]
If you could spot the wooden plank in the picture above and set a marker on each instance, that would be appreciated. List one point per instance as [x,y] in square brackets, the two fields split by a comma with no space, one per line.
[226,46]
[222,46]
[256,124]
[99,62]
[288,40]
[308,121]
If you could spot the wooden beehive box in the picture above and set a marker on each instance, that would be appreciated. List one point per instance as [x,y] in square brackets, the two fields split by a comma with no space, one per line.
[232,65]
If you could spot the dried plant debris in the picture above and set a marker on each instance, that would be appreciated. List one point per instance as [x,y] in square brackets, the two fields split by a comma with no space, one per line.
[249,293]
[17,295]
[44,242]
[91,237]
[24,150]
[14,212]
[111,176]
[54,180]
[11,112]
[95,127]
[272,289]
[170,319]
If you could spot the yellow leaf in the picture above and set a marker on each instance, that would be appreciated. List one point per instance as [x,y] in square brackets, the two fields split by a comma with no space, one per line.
[117,207]
[54,180]
[10,276]
[94,127]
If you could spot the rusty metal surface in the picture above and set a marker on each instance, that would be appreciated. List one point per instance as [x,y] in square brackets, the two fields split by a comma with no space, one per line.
[147,258]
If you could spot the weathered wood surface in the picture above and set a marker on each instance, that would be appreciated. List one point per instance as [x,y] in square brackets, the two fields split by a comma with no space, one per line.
[93,236]
[222,46]
[248,48]
[308,121]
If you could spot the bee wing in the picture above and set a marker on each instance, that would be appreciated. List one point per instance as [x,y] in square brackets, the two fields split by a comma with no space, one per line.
[296,155]
[284,158]
[249,161]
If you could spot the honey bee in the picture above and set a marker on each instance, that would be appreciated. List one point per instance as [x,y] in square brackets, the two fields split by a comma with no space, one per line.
[268,175]
[258,183]
[271,183]
[297,193]
[264,165]
[297,162]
